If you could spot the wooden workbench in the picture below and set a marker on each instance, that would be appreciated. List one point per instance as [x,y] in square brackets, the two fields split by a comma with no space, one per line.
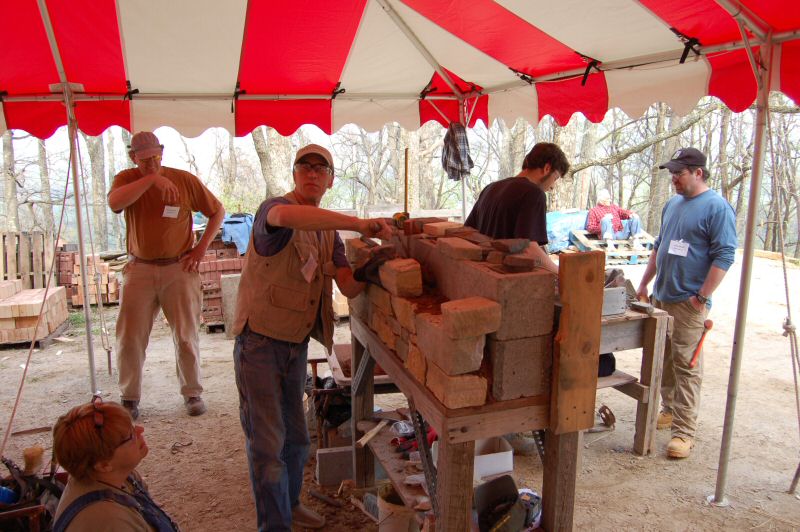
[630,331]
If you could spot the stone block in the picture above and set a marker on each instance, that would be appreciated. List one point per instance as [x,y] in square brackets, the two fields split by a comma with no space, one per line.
[405,312]
[471,316]
[527,299]
[402,277]
[356,250]
[359,306]
[520,263]
[439,228]
[511,245]
[415,363]
[521,367]
[380,299]
[461,232]
[495,257]
[380,324]
[334,464]
[454,356]
[401,348]
[229,285]
[458,391]
[478,238]
[459,249]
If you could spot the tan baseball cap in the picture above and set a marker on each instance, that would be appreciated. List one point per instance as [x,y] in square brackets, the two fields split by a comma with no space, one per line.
[314,149]
[145,144]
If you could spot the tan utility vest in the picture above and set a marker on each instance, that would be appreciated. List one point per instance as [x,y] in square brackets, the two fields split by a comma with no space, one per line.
[276,300]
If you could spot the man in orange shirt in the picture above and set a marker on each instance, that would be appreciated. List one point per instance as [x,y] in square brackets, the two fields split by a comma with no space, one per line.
[162,269]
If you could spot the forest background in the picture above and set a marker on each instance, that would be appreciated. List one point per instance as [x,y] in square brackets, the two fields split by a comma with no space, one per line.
[620,154]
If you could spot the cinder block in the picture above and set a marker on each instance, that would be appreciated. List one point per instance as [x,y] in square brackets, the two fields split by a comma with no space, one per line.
[405,312]
[380,299]
[416,363]
[454,356]
[334,464]
[439,228]
[229,285]
[520,368]
[456,391]
[471,316]
[527,299]
[402,277]
[460,249]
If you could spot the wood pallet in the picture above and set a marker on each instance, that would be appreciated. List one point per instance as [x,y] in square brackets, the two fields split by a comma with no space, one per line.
[41,343]
[26,256]
[623,252]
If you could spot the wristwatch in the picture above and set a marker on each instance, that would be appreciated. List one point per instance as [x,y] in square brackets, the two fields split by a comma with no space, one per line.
[702,299]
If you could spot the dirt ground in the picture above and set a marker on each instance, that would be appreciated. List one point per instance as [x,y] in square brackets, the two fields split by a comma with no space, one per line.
[198,470]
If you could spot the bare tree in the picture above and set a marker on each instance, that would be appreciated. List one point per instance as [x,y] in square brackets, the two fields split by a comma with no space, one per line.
[10,184]
[98,203]
[46,202]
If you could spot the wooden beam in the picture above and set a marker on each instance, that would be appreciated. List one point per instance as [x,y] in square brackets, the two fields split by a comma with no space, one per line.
[655,337]
[561,452]
[24,264]
[39,277]
[362,404]
[11,255]
[577,343]
[454,469]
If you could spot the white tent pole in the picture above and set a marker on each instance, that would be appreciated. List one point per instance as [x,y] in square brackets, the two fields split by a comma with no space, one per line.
[72,126]
[763,76]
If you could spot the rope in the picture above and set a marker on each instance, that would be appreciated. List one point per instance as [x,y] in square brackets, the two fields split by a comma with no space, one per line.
[39,318]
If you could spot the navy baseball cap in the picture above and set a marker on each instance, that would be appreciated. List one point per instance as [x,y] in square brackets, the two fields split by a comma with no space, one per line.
[685,157]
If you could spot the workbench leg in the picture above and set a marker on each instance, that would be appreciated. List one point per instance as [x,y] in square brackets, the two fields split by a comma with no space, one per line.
[454,467]
[558,484]
[655,331]
[362,408]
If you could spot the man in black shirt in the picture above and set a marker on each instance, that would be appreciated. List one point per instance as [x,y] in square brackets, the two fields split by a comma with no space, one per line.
[515,207]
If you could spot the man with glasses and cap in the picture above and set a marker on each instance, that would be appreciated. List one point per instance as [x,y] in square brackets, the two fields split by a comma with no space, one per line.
[693,252]
[285,298]
[162,269]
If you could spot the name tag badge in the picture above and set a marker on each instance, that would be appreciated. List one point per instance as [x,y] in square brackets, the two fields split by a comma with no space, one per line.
[309,269]
[678,247]
[171,211]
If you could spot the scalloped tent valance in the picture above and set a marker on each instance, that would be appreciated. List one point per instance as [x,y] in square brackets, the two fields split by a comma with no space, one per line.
[195,64]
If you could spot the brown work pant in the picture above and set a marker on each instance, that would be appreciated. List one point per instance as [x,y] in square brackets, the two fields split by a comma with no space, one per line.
[680,384]
[145,289]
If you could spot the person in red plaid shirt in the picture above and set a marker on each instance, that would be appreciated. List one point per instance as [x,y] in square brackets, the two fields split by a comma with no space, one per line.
[605,220]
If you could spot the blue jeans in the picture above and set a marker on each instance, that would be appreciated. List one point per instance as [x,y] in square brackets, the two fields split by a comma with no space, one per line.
[271,375]
[630,227]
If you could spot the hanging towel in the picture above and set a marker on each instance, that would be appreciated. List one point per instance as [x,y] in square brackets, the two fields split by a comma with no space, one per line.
[455,154]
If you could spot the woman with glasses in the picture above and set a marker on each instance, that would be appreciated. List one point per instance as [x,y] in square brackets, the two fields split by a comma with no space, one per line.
[100,447]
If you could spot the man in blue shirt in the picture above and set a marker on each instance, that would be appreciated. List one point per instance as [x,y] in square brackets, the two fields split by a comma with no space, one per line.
[693,252]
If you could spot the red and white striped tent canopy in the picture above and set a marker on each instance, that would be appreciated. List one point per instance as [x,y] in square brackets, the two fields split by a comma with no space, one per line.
[237,64]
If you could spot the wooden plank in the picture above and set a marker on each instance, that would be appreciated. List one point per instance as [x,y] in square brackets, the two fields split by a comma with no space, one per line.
[618,378]
[24,265]
[561,452]
[454,468]
[577,343]
[394,465]
[636,390]
[362,405]
[655,338]
[334,359]
[39,275]
[622,333]
[11,255]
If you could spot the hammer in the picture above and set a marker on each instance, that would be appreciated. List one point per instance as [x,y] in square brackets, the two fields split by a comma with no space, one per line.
[707,325]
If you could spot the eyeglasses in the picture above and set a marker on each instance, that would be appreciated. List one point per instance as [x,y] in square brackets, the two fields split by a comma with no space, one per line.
[678,173]
[305,168]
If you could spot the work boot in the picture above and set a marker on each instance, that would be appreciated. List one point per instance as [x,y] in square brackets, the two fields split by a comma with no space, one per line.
[664,420]
[195,406]
[132,407]
[305,517]
[679,447]
[522,445]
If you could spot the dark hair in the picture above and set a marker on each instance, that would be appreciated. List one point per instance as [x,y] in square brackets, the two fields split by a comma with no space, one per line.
[706,175]
[544,153]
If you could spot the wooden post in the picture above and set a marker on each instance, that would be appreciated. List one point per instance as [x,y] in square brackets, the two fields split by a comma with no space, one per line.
[11,256]
[558,480]
[577,343]
[25,260]
[362,404]
[655,331]
[39,271]
[454,468]
[49,249]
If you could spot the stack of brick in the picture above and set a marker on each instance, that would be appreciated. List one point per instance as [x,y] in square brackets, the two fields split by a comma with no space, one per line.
[463,325]
[65,263]
[108,289]
[19,311]
[220,259]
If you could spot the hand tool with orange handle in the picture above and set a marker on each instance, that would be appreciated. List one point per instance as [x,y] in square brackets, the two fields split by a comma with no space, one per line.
[707,325]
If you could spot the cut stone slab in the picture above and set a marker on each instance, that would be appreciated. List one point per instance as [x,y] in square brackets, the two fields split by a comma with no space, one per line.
[405,312]
[230,291]
[380,324]
[460,232]
[458,391]
[511,245]
[520,368]
[495,257]
[380,298]
[471,316]
[460,249]
[529,297]
[402,277]
[520,263]
[334,464]
[453,356]
[477,238]
[439,228]
[401,348]
[416,363]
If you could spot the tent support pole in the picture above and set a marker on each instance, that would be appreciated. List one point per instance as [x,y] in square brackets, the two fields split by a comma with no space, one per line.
[763,76]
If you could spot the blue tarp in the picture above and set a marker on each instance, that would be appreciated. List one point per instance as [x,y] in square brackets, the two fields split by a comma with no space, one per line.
[559,224]
[235,229]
